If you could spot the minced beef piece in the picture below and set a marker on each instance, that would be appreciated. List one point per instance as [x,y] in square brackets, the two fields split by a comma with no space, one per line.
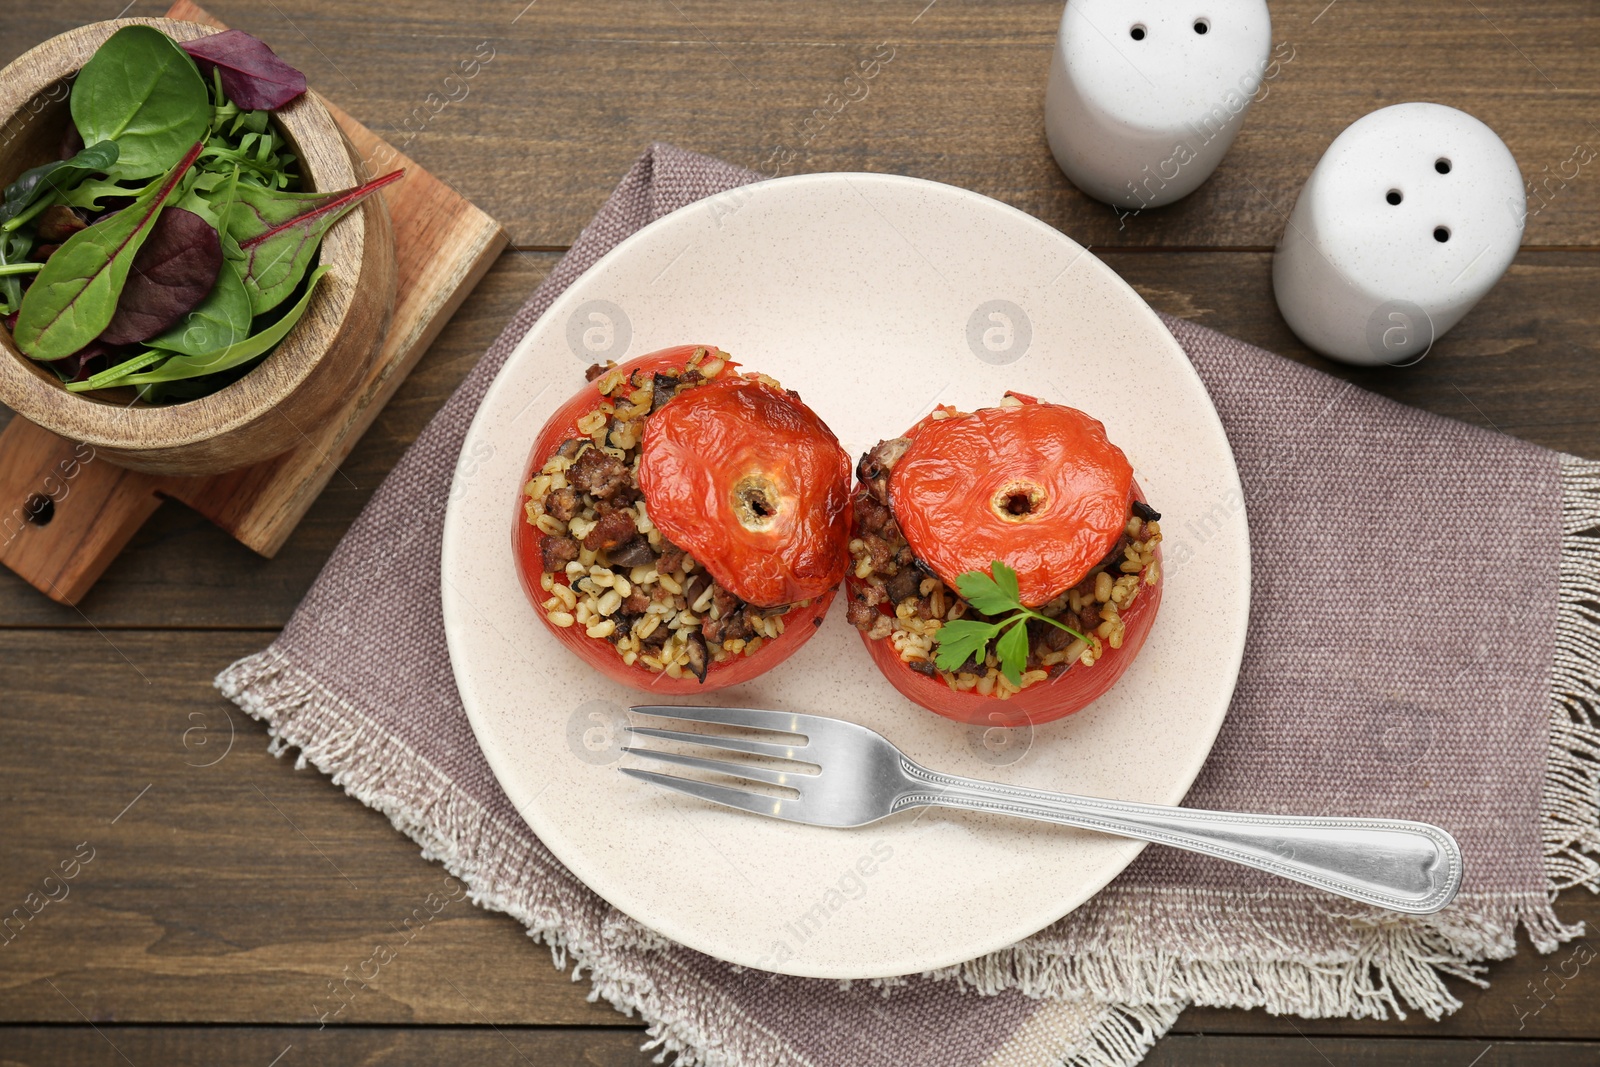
[558,552]
[907,583]
[1057,639]
[871,516]
[595,370]
[727,628]
[599,474]
[612,527]
[636,603]
[671,559]
[860,614]
[561,504]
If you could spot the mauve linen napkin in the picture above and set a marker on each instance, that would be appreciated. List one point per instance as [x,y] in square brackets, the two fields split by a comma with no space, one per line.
[1424,643]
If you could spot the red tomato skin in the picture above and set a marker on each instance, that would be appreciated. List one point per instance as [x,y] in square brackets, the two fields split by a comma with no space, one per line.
[702,445]
[945,488]
[527,540]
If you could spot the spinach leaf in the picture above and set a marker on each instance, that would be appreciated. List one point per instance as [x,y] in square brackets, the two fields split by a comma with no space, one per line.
[276,234]
[221,319]
[252,73]
[142,91]
[73,299]
[172,274]
[56,177]
[180,367]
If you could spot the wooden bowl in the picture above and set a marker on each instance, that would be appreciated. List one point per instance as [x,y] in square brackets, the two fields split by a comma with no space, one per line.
[270,409]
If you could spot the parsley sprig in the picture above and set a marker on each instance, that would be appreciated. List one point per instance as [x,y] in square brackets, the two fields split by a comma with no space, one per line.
[967,638]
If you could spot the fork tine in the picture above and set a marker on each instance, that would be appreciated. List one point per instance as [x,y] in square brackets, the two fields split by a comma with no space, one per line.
[732,744]
[769,775]
[783,722]
[759,803]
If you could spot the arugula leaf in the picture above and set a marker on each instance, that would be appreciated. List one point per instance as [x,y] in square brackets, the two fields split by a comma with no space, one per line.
[142,91]
[74,298]
[14,249]
[91,194]
[277,234]
[993,594]
[57,177]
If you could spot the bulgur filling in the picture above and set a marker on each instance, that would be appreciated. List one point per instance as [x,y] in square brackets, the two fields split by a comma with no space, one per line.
[896,597]
[606,567]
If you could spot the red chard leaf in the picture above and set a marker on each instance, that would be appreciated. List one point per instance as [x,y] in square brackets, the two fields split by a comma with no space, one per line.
[252,74]
[172,273]
[278,233]
[74,298]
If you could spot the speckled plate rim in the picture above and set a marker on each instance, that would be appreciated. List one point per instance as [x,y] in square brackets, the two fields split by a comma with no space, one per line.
[646,851]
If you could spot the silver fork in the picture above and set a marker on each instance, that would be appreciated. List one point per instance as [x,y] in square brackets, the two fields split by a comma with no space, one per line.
[1410,867]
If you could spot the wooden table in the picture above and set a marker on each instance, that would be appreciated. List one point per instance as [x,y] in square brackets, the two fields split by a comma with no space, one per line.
[228,890]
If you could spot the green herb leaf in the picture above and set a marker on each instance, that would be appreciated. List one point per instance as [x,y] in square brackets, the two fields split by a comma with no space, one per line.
[960,640]
[995,594]
[1012,650]
[74,298]
[180,367]
[220,320]
[57,177]
[142,91]
[277,234]
[985,594]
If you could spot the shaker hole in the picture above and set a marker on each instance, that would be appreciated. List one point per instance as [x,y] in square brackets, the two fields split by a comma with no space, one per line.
[1202,25]
[1137,33]
[1441,234]
[1442,165]
[1394,196]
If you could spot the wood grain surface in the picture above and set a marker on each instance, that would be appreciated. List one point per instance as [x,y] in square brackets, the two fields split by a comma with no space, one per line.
[212,919]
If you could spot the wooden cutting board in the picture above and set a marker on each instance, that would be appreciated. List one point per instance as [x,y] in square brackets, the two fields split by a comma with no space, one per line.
[66,513]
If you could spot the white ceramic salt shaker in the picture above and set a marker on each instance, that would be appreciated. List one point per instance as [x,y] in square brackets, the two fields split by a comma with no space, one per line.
[1409,218]
[1145,96]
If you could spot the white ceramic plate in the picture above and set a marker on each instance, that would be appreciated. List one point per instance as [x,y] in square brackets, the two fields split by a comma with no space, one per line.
[875,297]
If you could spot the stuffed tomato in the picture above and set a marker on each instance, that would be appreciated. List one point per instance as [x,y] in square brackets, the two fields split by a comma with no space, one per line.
[684,525]
[1032,511]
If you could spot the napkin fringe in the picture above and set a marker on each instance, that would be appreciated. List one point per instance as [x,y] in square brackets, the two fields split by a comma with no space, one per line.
[1387,966]
[493,859]
[1571,808]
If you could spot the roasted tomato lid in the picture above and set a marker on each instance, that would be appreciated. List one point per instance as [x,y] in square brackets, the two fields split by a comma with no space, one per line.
[753,485]
[1037,486]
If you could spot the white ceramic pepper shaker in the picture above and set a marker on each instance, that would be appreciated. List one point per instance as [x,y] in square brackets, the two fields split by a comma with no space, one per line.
[1145,96]
[1410,217]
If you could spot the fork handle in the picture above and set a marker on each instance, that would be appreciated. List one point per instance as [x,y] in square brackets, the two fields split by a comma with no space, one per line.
[1404,866]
